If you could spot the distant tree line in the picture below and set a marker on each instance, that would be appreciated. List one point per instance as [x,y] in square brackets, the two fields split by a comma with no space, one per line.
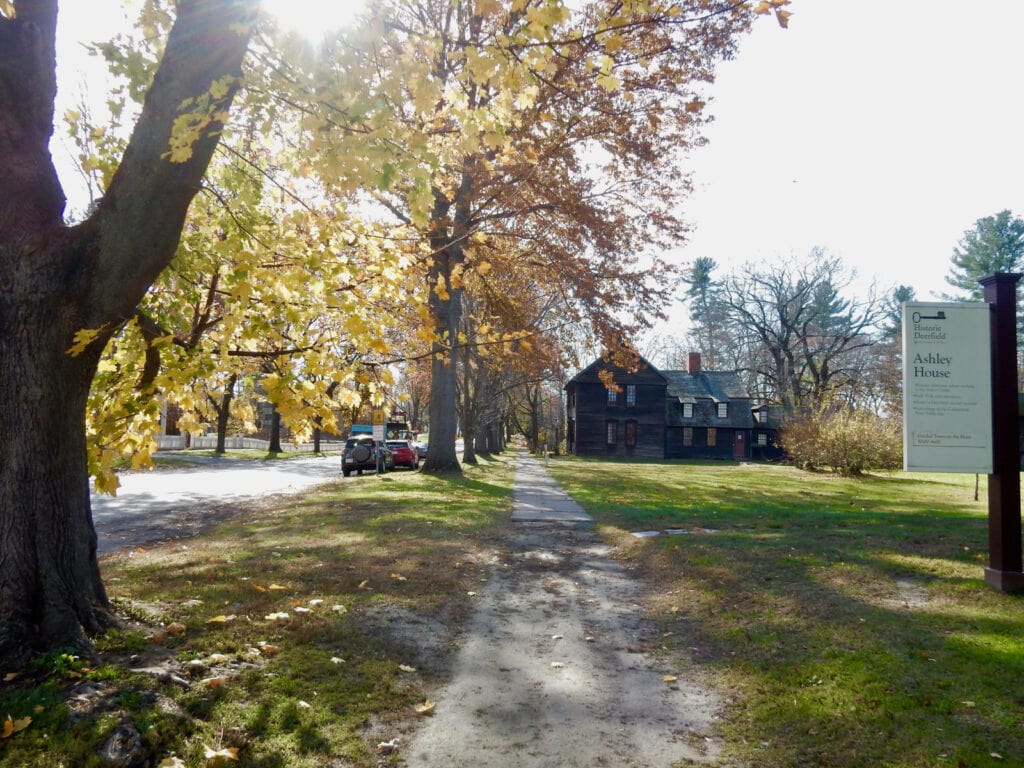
[800,337]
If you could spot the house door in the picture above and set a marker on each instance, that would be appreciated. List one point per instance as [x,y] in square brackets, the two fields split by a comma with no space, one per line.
[739,446]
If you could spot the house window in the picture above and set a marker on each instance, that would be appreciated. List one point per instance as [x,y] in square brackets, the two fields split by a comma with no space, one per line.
[762,439]
[687,410]
[630,435]
[612,432]
[712,437]
[631,394]
[723,410]
[687,436]
[613,397]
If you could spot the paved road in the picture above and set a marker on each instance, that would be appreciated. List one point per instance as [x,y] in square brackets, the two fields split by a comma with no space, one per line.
[174,502]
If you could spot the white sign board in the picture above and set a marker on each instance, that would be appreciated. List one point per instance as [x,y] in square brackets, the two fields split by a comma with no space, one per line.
[947,388]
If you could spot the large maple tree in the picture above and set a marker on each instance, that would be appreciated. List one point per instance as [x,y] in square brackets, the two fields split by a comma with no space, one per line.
[500,135]
[559,129]
[56,280]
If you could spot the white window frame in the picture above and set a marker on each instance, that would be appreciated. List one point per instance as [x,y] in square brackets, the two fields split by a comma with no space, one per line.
[722,410]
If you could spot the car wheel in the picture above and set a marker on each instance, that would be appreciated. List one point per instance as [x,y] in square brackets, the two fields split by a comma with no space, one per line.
[359,472]
[346,472]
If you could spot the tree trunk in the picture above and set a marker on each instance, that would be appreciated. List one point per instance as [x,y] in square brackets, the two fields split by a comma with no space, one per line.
[56,281]
[50,588]
[275,433]
[469,438]
[223,414]
[446,310]
[441,458]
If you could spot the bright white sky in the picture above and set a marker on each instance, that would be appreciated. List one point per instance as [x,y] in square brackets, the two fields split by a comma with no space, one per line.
[878,129]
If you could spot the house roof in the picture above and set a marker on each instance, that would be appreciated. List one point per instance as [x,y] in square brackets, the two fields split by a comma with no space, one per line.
[719,386]
[590,373]
[708,387]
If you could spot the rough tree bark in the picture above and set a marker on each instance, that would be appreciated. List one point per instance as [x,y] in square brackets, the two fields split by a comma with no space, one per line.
[446,310]
[57,280]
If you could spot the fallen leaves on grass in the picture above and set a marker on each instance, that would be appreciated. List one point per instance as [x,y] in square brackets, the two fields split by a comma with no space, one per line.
[222,619]
[220,755]
[278,616]
[12,726]
[669,679]
[406,668]
[171,762]
[388,747]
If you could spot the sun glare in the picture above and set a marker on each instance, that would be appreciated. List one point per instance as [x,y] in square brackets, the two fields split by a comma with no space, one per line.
[312,19]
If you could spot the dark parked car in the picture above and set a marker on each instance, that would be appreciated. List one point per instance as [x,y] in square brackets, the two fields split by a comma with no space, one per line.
[405,454]
[421,448]
[364,452]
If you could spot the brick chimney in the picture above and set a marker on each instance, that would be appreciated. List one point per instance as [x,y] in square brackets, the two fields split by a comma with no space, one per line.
[693,362]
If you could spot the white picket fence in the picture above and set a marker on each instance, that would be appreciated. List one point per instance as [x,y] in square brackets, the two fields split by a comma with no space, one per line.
[177,443]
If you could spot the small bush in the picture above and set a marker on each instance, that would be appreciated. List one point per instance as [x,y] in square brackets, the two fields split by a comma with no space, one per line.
[846,441]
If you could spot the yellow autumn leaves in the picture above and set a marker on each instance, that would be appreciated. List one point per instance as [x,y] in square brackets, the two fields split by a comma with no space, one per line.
[10,726]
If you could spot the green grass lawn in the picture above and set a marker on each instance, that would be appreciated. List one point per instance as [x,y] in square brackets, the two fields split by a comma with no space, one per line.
[282,634]
[846,620]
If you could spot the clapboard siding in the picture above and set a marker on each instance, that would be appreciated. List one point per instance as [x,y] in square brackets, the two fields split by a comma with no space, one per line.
[590,411]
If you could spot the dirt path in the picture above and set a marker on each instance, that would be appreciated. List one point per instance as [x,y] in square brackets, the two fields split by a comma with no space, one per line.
[552,671]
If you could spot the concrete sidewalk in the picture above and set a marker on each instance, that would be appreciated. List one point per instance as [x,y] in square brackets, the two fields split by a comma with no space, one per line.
[552,670]
[537,498]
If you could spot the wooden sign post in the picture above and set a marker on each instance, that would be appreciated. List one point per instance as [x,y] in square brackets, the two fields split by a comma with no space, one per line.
[1004,571]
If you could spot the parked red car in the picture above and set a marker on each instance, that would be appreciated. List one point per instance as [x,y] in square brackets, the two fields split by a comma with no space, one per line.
[405,454]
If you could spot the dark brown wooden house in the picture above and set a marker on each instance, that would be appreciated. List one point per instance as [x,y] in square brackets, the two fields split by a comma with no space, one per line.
[764,439]
[708,414]
[626,422]
[663,414]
